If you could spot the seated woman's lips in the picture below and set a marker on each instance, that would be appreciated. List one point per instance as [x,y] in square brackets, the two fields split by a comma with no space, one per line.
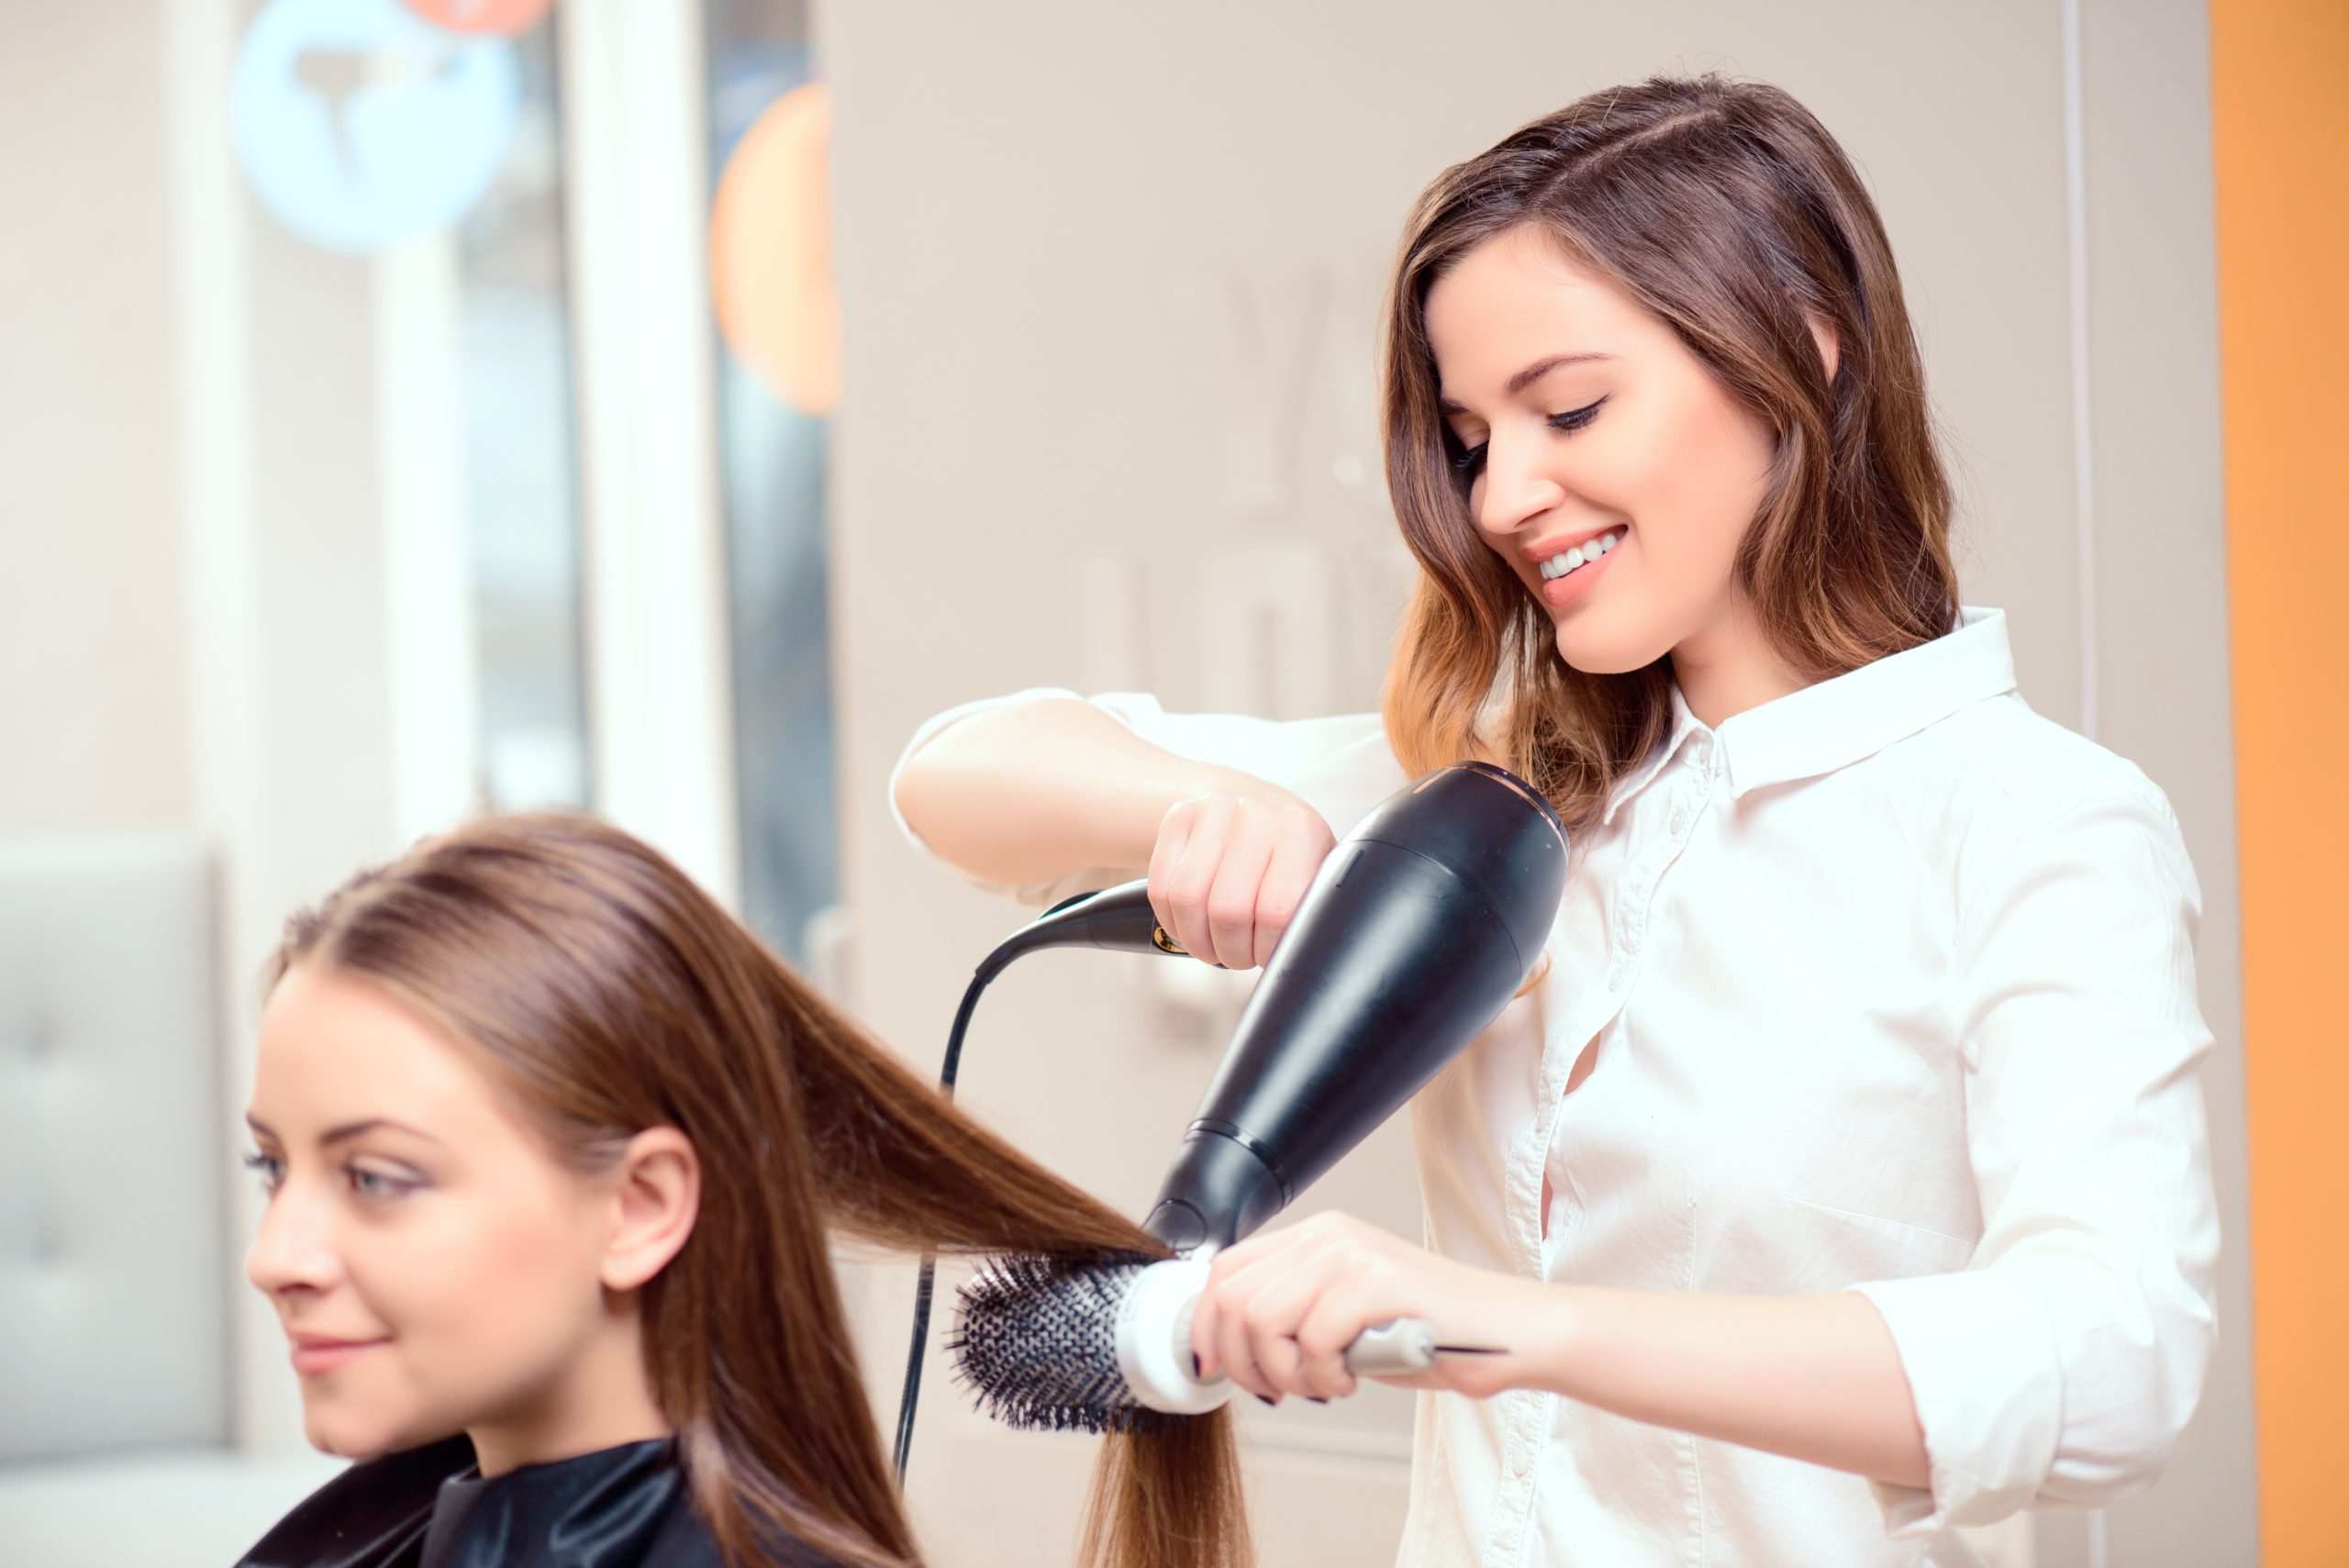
[314,1354]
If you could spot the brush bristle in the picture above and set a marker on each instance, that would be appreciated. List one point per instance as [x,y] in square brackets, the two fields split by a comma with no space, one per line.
[1036,1343]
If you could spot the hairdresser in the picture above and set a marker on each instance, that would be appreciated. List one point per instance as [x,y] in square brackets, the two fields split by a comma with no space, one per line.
[1845,1179]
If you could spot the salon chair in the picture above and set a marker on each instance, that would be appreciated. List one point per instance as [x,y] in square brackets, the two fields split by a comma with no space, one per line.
[118,1268]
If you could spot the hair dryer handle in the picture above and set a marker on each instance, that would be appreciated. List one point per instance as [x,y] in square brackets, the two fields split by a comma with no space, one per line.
[1118,920]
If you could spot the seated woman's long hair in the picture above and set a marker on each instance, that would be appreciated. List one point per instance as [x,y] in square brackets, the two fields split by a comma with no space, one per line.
[609,994]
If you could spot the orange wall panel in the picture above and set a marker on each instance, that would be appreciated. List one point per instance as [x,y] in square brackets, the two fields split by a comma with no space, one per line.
[2280,135]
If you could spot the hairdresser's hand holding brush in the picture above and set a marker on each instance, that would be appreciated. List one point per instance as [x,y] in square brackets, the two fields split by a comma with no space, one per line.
[1281,1307]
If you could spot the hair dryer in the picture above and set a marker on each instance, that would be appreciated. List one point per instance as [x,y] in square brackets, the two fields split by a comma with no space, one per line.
[1418,927]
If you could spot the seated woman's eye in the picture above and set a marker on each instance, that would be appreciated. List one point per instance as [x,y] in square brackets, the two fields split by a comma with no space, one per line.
[1467,461]
[372,1184]
[271,1168]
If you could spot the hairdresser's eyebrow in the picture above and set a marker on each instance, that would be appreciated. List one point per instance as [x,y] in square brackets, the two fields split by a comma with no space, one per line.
[1527,376]
[1540,368]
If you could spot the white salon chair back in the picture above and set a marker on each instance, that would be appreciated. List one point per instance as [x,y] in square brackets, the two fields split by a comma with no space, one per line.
[117,1268]
[113,1320]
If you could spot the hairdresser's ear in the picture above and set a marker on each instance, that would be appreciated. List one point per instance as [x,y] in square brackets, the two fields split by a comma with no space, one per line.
[1824,336]
[656,1193]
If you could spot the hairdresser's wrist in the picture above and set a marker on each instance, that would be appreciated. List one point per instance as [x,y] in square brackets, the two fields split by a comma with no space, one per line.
[1549,1330]
[1531,1321]
[1119,826]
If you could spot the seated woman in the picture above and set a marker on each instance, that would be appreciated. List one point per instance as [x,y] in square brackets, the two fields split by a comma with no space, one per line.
[554,1148]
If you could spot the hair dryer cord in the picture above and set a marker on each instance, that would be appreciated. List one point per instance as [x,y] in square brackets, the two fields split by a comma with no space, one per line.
[924,1285]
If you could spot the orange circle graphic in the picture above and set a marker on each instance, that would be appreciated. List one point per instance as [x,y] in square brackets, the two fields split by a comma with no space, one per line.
[770,252]
[507,18]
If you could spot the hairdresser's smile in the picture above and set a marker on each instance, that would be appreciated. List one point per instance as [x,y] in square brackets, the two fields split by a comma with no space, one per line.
[1570,564]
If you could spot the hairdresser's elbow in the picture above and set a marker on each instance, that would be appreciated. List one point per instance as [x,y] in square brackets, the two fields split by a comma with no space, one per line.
[952,813]
[2102,1480]
[911,793]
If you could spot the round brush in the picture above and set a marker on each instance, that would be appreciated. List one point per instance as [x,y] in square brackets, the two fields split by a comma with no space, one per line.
[1050,1344]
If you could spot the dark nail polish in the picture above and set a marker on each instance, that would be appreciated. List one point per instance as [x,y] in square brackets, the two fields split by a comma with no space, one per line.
[1265,1400]
[1317,1399]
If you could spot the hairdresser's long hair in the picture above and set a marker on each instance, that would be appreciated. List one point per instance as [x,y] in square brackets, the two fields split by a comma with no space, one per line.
[1727,211]
[609,995]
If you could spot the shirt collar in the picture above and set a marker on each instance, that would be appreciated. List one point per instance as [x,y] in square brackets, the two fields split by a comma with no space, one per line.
[1838,721]
[1857,713]
[1684,725]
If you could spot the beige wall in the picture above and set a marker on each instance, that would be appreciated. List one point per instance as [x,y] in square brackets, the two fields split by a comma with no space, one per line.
[1108,282]
[192,618]
[91,630]
[2158,551]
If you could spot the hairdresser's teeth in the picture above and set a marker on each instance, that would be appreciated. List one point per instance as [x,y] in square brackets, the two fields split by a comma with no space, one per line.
[1583,555]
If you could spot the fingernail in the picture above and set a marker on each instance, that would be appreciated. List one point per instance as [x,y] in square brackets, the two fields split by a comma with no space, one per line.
[1266,1400]
[1317,1399]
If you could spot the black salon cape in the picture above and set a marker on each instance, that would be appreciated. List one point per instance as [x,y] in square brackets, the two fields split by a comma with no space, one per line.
[429,1508]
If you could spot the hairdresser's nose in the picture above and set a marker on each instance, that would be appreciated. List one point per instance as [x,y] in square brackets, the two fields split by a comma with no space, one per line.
[293,1249]
[1515,489]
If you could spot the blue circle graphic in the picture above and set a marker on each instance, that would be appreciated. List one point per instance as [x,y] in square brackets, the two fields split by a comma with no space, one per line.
[359,124]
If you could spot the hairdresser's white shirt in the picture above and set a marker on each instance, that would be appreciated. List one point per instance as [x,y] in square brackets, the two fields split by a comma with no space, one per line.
[1891,987]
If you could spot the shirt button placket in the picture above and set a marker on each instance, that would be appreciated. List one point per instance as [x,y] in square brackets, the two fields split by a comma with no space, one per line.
[1521,1437]
[1691,801]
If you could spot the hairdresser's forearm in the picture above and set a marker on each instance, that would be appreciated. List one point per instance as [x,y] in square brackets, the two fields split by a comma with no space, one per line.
[1031,792]
[1813,1377]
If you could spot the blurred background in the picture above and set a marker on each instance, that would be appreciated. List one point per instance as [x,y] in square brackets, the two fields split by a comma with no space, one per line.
[415,408]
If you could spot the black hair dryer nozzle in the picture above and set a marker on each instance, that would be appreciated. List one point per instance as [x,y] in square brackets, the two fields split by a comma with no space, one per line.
[1417,931]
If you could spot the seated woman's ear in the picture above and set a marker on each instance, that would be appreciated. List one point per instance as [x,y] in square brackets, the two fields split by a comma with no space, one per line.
[656,1191]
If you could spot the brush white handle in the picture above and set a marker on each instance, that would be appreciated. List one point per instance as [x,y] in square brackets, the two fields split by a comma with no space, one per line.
[1154,1343]
[1391,1349]
[1154,1340]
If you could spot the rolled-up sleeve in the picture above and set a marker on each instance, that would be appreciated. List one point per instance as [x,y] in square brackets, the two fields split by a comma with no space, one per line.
[1339,765]
[2061,1365]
